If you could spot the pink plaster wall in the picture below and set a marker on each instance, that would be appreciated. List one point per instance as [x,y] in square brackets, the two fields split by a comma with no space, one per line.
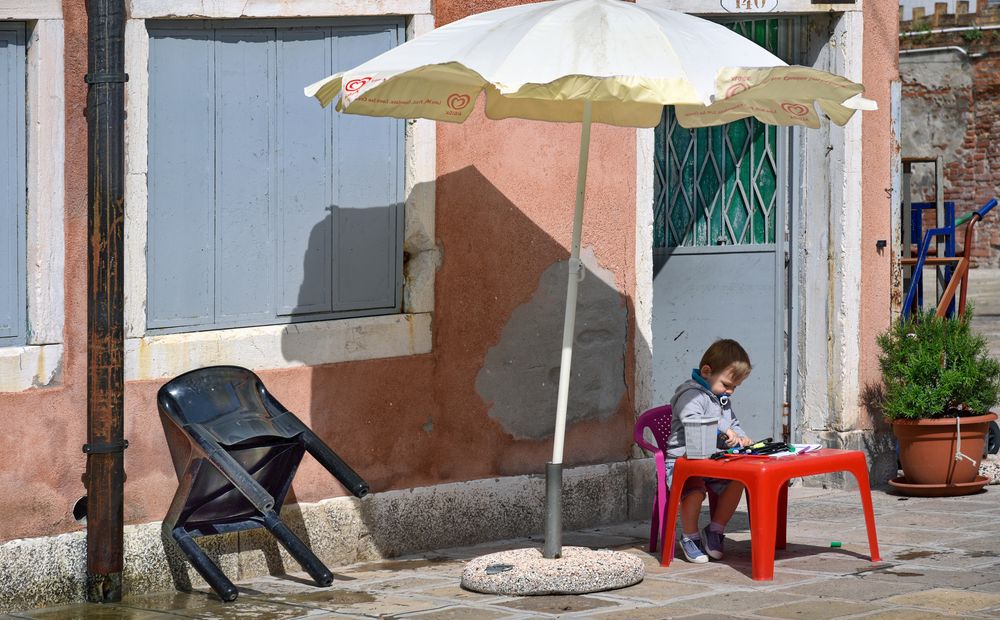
[879,147]
[505,197]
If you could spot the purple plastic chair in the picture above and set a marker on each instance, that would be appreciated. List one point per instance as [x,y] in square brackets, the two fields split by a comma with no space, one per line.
[658,420]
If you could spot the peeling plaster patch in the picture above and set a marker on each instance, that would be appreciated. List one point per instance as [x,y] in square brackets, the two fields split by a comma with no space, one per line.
[521,373]
[22,368]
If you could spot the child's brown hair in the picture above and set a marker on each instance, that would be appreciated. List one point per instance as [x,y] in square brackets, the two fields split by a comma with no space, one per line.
[725,353]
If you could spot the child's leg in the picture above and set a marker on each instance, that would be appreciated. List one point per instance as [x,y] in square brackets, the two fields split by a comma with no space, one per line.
[690,510]
[725,505]
[728,497]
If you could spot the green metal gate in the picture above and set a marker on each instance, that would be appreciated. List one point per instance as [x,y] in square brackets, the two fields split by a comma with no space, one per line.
[720,209]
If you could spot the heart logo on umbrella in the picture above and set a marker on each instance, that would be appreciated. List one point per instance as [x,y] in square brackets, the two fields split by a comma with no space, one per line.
[355,84]
[795,109]
[736,89]
[457,101]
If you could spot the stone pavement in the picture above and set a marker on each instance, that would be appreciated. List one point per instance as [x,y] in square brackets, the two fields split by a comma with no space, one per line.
[941,559]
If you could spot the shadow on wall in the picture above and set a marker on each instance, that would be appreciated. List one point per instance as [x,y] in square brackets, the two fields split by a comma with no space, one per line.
[482,402]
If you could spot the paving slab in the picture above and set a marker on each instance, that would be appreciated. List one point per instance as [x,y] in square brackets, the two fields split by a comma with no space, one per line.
[815,609]
[906,614]
[845,562]
[852,588]
[722,573]
[739,601]
[949,600]
[559,604]
[655,591]
[458,612]
[656,612]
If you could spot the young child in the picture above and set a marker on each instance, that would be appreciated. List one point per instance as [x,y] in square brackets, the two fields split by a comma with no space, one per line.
[706,394]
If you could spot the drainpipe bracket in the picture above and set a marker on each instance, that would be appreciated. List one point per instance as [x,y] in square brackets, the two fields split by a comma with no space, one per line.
[105,448]
[102,78]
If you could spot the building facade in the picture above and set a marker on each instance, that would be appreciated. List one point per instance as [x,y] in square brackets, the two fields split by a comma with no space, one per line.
[397,284]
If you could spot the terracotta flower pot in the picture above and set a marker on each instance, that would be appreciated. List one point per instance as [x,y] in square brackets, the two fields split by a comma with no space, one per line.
[927,448]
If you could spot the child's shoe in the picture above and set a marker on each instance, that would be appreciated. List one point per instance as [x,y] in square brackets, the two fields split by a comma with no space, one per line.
[713,543]
[692,551]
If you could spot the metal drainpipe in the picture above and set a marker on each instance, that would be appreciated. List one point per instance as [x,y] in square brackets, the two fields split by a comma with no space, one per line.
[943,48]
[918,33]
[105,302]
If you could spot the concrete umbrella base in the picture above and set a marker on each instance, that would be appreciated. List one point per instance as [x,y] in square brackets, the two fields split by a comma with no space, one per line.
[524,572]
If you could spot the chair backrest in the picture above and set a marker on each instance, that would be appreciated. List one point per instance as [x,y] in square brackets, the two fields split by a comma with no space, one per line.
[229,402]
[657,420]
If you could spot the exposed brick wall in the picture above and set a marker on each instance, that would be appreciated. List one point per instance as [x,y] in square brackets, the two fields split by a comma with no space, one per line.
[972,111]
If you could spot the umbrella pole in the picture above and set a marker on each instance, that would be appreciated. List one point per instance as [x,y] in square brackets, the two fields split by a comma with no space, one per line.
[553,470]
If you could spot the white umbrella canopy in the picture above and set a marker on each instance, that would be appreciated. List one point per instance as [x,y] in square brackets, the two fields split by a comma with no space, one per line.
[542,61]
[605,61]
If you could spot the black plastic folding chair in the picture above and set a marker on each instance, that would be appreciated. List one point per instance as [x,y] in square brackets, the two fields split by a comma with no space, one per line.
[236,449]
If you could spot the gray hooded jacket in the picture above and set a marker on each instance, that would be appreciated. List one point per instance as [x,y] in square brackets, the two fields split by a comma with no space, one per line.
[692,400]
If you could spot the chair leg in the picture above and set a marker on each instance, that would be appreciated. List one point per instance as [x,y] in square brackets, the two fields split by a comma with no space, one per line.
[302,554]
[659,504]
[205,566]
[670,520]
[654,526]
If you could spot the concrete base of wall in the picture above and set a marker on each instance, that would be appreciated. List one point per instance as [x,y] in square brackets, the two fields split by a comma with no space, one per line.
[52,570]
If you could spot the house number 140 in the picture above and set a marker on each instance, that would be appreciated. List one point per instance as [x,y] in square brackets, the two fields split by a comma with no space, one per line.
[749,6]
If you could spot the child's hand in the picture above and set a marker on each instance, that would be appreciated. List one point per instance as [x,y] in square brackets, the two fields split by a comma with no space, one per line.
[732,439]
[745,441]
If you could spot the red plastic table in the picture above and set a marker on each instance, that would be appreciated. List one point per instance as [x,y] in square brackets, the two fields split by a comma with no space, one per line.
[766,480]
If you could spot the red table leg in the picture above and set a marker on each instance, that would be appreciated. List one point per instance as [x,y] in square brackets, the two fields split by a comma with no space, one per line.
[860,471]
[763,529]
[781,520]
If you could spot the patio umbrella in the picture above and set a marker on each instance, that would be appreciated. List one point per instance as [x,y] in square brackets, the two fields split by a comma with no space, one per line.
[585,61]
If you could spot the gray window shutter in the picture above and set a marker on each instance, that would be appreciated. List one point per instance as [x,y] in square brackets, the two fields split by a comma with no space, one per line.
[304,159]
[366,208]
[244,124]
[298,209]
[180,259]
[12,184]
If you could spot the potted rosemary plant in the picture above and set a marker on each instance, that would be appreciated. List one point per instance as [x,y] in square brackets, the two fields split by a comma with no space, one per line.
[940,384]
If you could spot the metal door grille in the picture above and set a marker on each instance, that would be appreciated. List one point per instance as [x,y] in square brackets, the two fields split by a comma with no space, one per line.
[719,185]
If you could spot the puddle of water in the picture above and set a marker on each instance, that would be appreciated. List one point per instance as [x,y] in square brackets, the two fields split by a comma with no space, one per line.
[982,554]
[339,597]
[913,555]
[401,564]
